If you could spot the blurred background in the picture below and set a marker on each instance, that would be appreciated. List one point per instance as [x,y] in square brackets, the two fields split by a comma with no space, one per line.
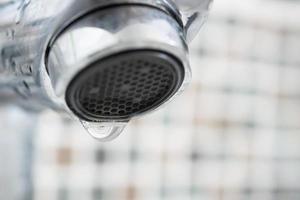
[234,135]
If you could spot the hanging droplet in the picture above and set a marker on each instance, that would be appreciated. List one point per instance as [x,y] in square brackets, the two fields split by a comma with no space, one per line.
[104,132]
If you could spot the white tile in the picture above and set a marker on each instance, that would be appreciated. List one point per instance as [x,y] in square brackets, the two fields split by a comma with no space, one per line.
[288,175]
[209,175]
[239,108]
[178,142]
[266,46]
[288,115]
[211,106]
[263,143]
[234,175]
[292,42]
[290,81]
[209,141]
[262,175]
[237,141]
[177,174]
[147,175]
[265,111]
[288,144]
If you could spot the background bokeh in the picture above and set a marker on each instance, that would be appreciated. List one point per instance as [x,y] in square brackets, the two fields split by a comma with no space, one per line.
[234,135]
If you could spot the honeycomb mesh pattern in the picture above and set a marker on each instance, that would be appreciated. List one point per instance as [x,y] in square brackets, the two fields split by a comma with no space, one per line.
[124,85]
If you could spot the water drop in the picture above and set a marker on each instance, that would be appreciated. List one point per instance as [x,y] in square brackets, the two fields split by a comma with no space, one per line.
[104,132]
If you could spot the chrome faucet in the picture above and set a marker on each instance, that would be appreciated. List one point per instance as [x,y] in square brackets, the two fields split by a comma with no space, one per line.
[103,62]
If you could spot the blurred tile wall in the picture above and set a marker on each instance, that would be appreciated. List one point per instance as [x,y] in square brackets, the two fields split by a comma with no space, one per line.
[235,134]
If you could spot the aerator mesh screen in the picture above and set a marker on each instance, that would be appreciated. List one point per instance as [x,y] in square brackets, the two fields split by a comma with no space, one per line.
[124,85]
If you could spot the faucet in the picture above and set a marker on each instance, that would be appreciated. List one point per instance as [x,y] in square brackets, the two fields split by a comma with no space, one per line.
[103,62]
